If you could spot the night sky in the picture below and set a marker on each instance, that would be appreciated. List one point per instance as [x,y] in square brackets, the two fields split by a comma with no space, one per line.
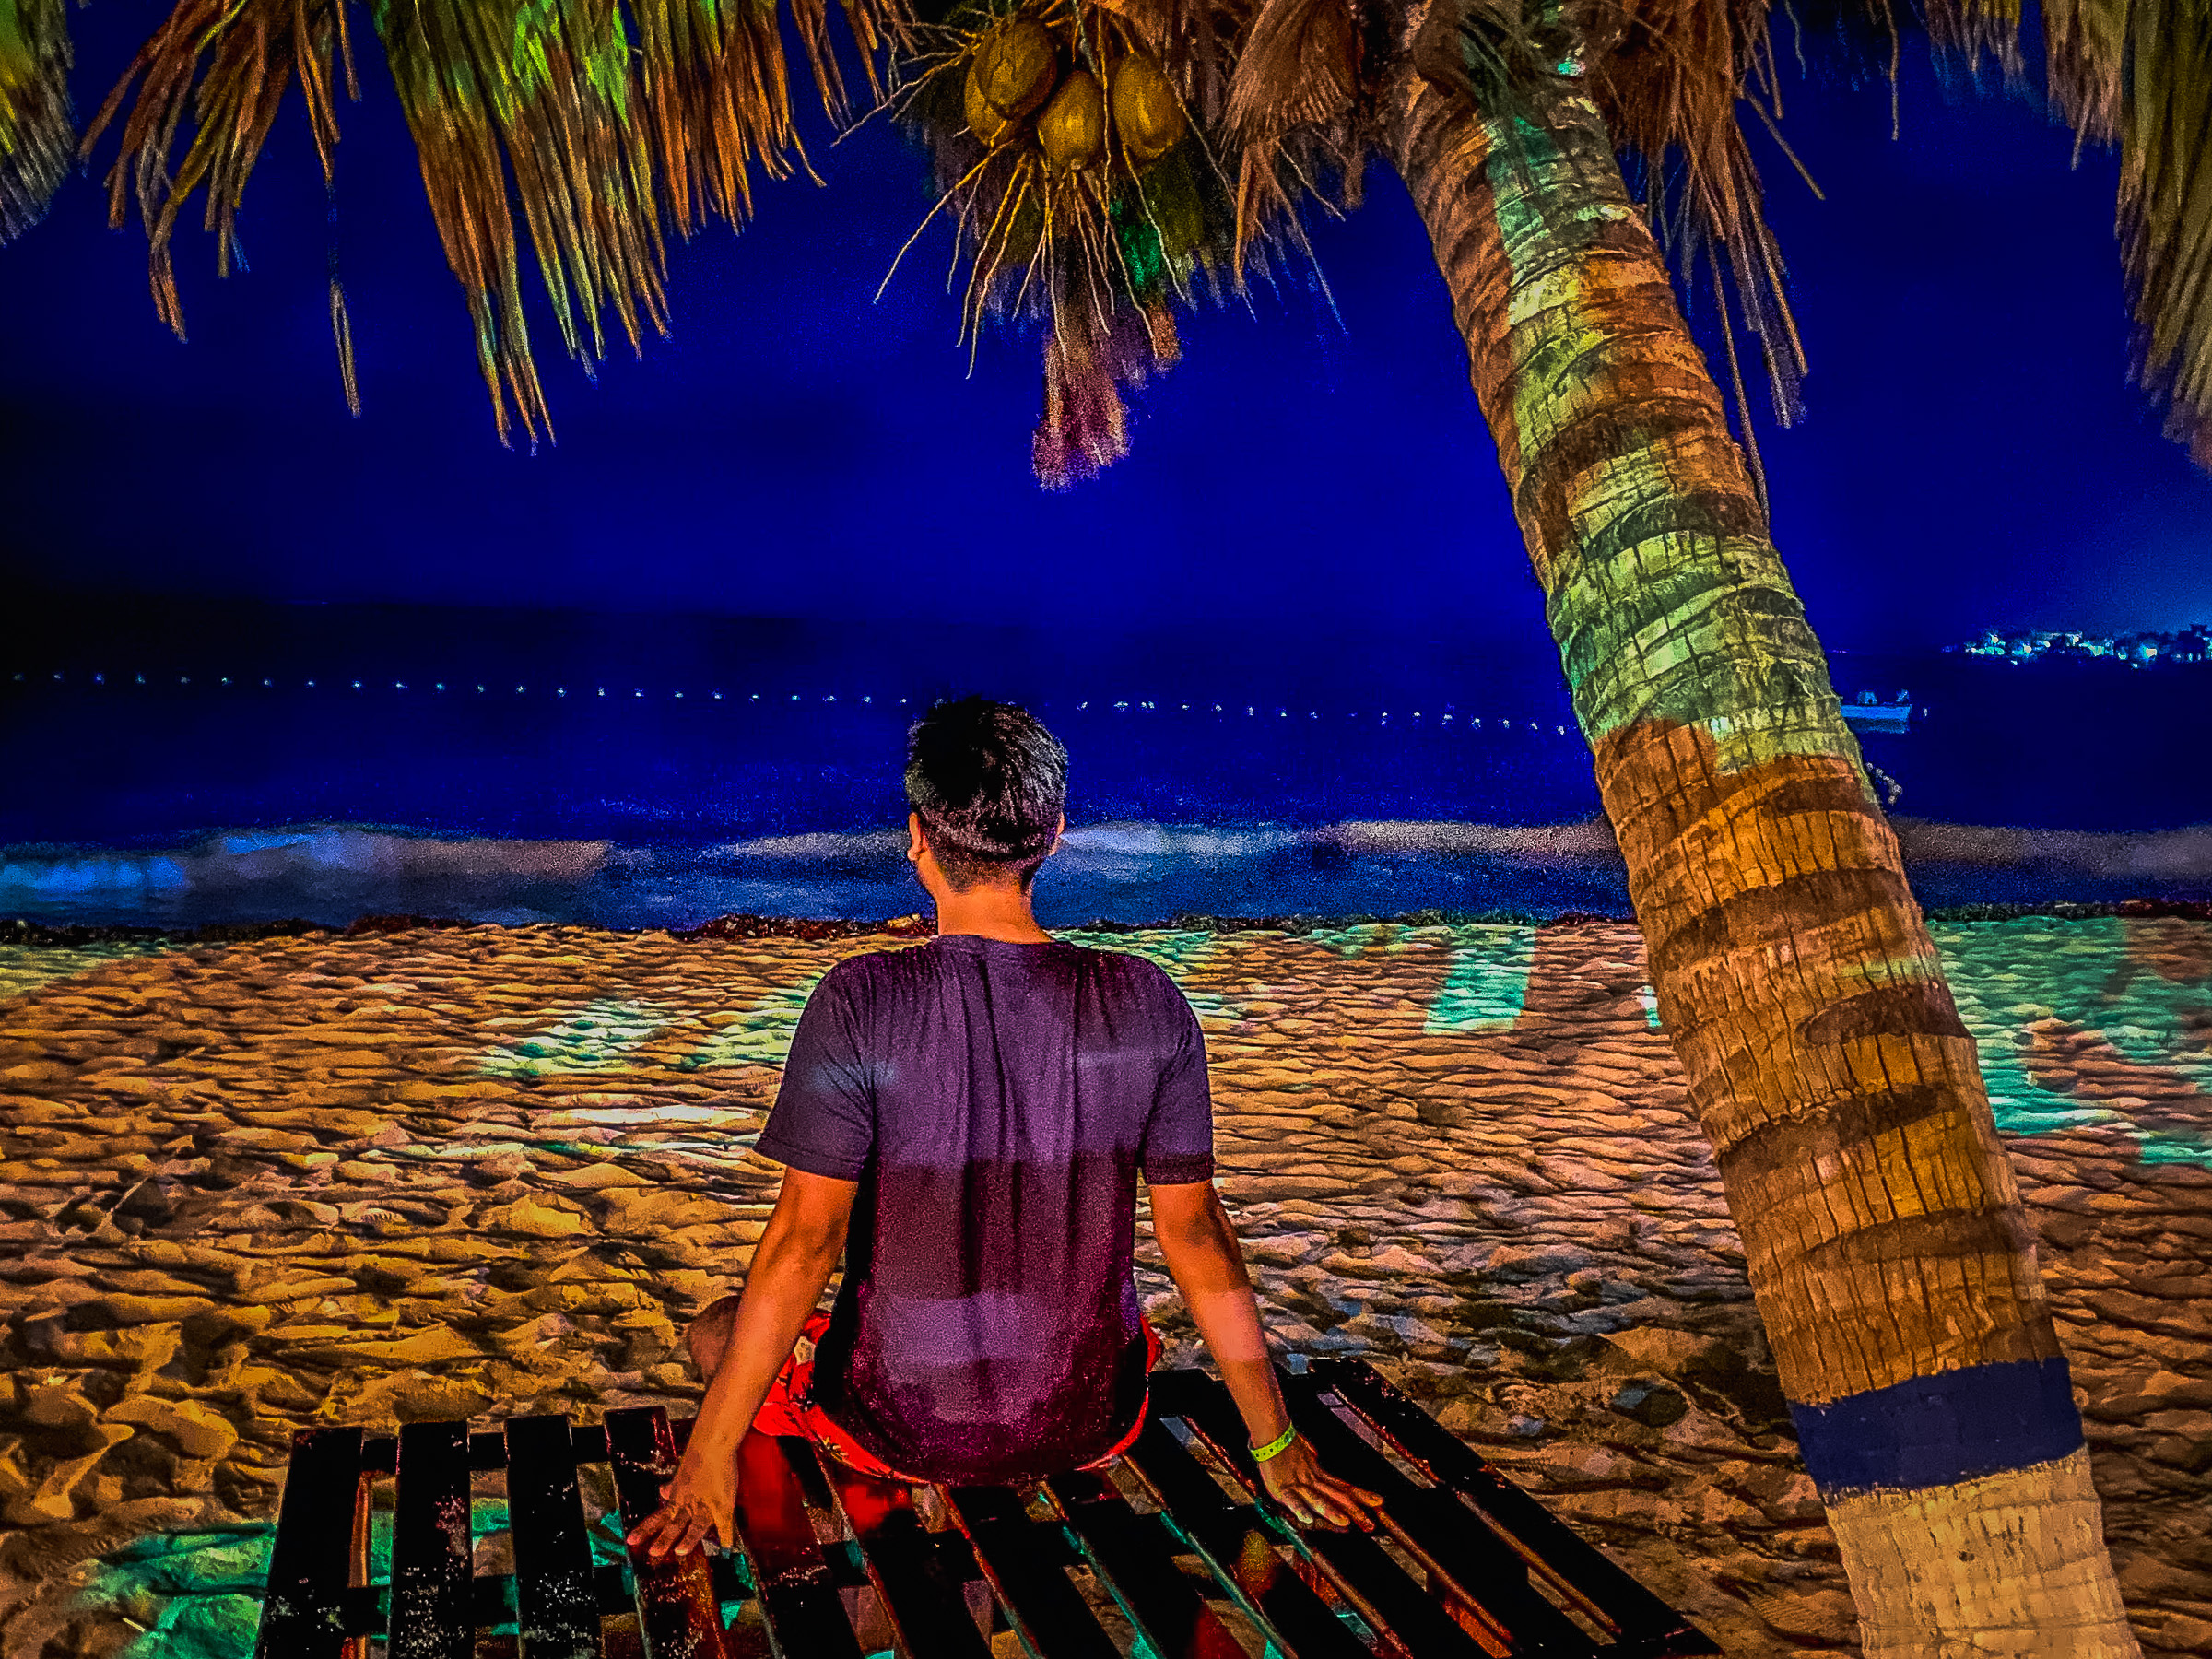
[1973,456]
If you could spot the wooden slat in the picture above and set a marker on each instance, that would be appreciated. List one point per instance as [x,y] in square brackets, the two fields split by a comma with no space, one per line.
[555,1604]
[303,1614]
[1606,1590]
[431,1547]
[1239,1551]
[1404,1613]
[1132,1553]
[1480,1558]
[353,1616]
[678,1611]
[1024,1567]
[799,1599]
[1488,1573]
[927,1608]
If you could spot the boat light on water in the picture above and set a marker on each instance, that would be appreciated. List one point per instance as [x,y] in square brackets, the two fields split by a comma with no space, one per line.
[1868,714]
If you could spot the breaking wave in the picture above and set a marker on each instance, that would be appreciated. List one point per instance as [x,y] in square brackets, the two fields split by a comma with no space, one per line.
[1125,871]
[319,873]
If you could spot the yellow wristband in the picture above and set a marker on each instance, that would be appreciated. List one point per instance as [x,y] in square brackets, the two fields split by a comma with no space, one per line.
[1275,1447]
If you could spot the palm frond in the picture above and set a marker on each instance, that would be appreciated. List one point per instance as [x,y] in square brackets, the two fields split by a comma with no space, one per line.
[2165,129]
[879,27]
[251,53]
[36,136]
[1964,29]
[719,104]
[2085,46]
[548,88]
[545,104]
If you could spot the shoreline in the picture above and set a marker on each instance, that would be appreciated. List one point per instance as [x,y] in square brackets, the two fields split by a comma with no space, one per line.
[28,930]
[1119,873]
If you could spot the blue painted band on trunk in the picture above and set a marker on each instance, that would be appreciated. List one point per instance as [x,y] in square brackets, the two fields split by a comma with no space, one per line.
[1934,1431]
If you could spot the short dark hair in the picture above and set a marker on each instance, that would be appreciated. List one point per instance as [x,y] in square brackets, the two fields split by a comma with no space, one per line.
[989,784]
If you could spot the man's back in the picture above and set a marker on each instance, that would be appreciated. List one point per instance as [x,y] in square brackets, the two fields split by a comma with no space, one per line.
[996,1102]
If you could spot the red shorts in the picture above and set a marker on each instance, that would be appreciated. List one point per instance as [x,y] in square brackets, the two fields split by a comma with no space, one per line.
[790,1409]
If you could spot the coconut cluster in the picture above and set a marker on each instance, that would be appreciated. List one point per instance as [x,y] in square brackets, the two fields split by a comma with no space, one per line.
[1026,81]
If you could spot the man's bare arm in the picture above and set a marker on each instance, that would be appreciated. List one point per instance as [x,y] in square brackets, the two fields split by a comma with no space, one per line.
[797,1252]
[1208,1264]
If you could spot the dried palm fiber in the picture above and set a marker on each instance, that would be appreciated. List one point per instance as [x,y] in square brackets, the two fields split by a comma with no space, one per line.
[1298,68]
[2138,73]
[879,26]
[36,136]
[1298,65]
[251,53]
[719,97]
[547,88]
[1086,366]
[1969,28]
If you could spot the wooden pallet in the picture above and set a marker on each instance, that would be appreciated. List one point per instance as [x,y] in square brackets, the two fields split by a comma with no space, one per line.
[1172,1558]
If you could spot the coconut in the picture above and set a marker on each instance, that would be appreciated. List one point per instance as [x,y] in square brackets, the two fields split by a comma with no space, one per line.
[1072,131]
[1010,75]
[1147,113]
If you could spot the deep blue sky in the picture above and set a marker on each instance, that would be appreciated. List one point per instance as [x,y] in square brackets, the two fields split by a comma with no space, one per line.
[1974,454]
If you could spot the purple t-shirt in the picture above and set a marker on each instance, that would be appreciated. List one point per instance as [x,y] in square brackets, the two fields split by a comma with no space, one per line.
[996,1103]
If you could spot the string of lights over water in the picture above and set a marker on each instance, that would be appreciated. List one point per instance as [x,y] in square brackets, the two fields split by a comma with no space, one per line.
[1447,715]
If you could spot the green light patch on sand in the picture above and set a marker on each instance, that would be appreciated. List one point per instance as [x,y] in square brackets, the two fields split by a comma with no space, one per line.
[761,1033]
[25,968]
[597,1037]
[198,1594]
[1387,936]
[2020,985]
[606,1036]
[1486,989]
[191,1595]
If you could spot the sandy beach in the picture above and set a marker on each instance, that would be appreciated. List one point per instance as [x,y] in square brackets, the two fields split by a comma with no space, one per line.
[479,1171]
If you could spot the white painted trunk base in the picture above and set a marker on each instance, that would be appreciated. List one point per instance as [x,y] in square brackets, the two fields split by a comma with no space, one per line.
[2010,1564]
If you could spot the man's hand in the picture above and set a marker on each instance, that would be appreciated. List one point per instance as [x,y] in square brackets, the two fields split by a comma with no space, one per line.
[1200,1249]
[791,1262]
[1295,1479]
[700,1499]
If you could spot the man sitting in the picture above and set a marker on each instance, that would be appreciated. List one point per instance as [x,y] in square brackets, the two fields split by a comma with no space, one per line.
[966,1120]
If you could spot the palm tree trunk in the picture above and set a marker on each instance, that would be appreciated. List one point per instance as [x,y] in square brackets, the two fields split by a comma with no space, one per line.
[1886,1246]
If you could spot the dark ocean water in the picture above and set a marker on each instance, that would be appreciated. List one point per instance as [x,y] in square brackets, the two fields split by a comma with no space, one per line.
[174,766]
